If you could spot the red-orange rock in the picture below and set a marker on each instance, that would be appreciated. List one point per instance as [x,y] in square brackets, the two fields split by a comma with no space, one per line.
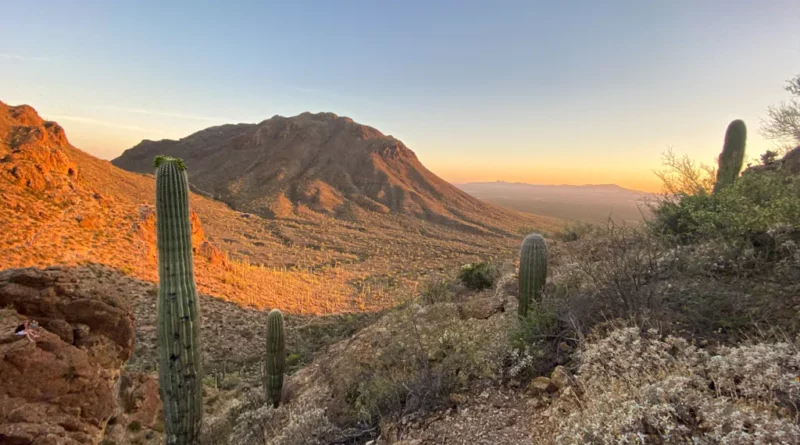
[53,390]
[139,398]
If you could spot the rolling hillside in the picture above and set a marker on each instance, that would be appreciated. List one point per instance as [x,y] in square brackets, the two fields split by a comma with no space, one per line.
[308,261]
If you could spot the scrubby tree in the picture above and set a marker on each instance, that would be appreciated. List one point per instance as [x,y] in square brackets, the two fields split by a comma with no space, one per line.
[783,120]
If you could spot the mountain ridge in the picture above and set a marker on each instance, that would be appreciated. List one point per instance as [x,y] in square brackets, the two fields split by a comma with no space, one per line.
[284,167]
[611,186]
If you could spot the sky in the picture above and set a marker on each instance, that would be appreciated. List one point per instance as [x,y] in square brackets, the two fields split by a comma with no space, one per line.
[578,92]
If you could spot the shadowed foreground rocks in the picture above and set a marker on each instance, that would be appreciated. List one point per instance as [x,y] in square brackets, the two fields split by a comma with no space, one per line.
[59,390]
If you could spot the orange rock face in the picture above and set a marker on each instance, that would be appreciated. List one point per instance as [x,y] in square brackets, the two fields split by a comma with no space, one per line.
[139,398]
[146,232]
[33,158]
[59,389]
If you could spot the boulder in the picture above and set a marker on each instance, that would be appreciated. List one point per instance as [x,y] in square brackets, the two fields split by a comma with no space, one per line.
[791,161]
[59,389]
[139,398]
[561,378]
[482,308]
[458,399]
[542,384]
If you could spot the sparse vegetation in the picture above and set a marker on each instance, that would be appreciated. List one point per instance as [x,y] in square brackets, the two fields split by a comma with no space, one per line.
[479,275]
[429,353]
[641,387]
[436,290]
[574,231]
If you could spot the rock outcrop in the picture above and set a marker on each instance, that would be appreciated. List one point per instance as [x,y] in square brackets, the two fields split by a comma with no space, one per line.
[30,150]
[145,232]
[139,417]
[790,163]
[59,389]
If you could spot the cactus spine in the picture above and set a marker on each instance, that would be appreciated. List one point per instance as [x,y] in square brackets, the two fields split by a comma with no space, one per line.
[732,156]
[532,271]
[179,370]
[276,357]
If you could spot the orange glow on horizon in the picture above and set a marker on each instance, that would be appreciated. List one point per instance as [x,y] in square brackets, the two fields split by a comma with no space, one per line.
[644,181]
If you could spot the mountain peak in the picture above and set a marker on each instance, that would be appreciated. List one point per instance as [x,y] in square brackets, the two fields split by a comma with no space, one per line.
[23,127]
[320,163]
[32,150]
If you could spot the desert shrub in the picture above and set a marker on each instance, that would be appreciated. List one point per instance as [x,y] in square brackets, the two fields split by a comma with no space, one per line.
[218,428]
[754,204]
[610,274]
[573,231]
[316,333]
[539,323]
[681,216]
[642,388]
[533,343]
[436,290]
[252,421]
[425,353]
[711,288]
[286,425]
[479,276]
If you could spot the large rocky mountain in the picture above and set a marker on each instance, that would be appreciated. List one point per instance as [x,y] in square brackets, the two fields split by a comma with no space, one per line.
[60,205]
[324,163]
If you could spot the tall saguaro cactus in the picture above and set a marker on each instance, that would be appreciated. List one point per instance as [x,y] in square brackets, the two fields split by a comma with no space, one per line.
[276,357]
[732,156]
[179,368]
[532,271]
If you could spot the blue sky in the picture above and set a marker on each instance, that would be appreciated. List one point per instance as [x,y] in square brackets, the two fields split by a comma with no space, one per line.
[541,92]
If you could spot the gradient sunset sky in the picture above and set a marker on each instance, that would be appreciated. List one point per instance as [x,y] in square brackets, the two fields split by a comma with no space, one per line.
[529,91]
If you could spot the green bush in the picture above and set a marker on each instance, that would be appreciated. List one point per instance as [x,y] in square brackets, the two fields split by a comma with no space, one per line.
[479,276]
[756,203]
[533,328]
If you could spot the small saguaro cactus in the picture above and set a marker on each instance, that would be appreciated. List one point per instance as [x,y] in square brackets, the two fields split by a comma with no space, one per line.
[179,366]
[732,156]
[532,271]
[276,357]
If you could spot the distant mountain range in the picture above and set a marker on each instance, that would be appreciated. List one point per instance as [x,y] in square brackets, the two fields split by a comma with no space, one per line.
[594,203]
